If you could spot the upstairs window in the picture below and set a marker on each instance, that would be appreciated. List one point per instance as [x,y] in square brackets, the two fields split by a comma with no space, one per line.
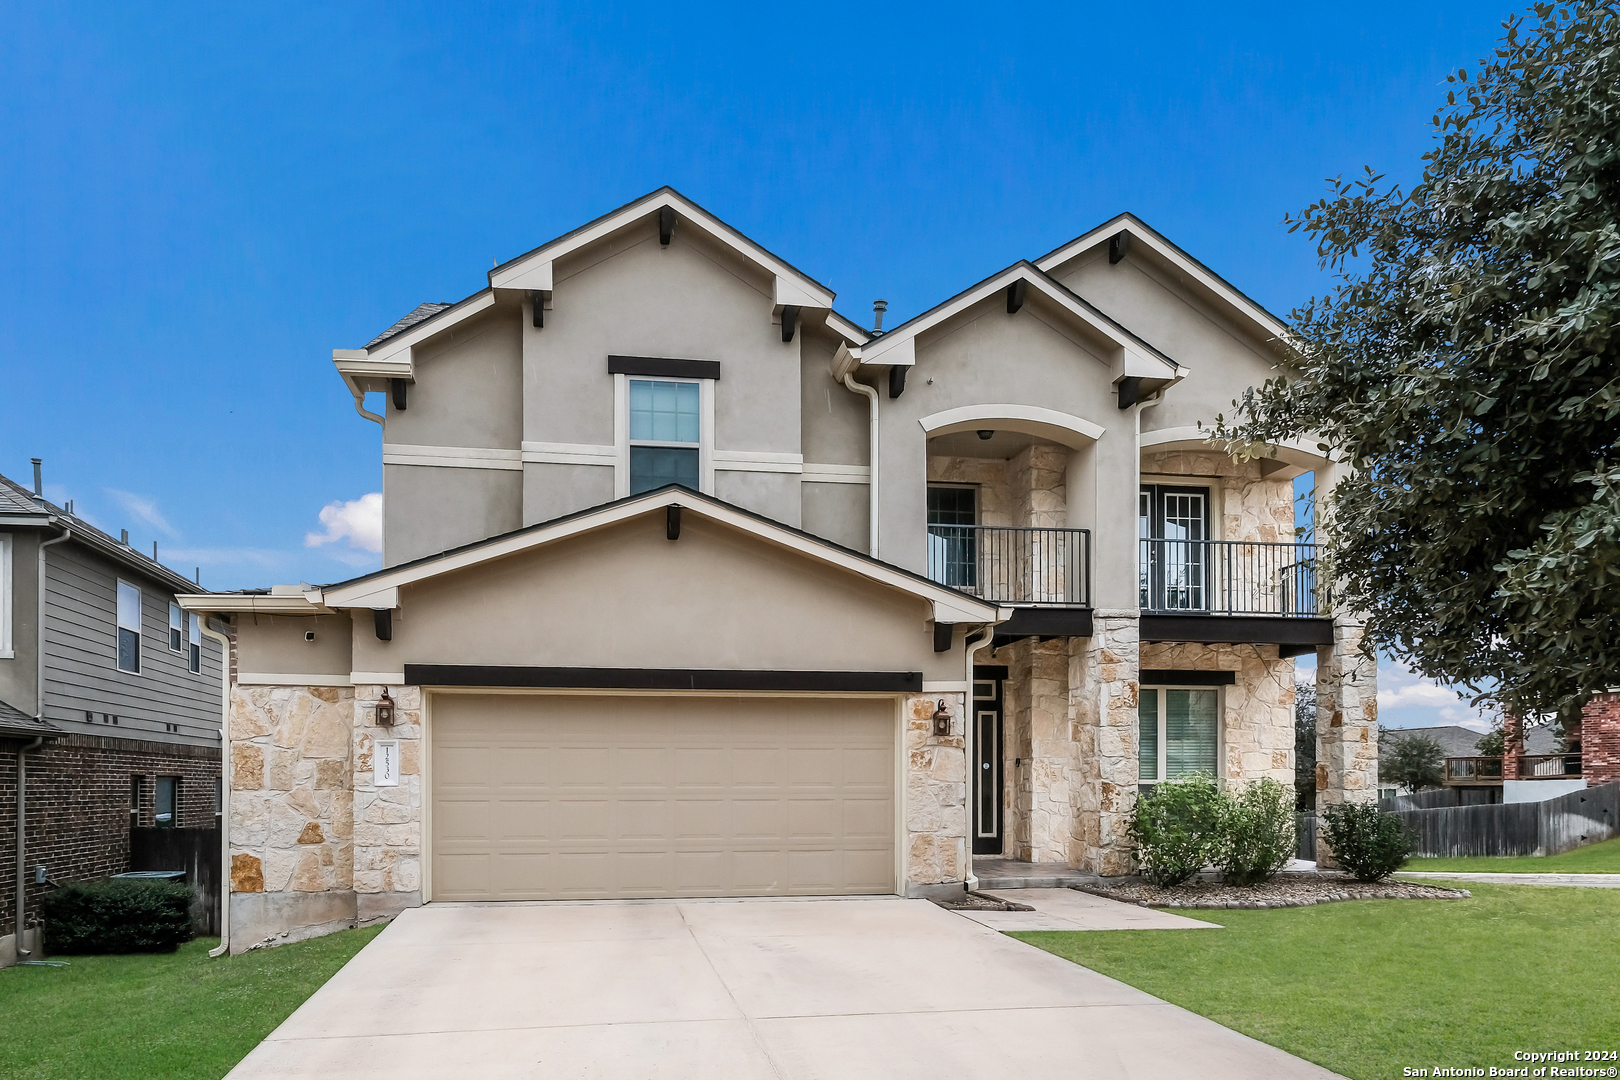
[953,513]
[177,626]
[665,433]
[129,628]
[195,649]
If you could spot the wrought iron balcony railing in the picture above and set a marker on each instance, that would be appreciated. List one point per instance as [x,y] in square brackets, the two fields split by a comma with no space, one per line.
[1230,577]
[1010,565]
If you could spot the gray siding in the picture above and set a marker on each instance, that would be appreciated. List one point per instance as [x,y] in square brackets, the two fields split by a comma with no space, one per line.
[81,657]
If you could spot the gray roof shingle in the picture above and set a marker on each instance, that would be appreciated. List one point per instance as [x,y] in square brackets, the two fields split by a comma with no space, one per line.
[14,721]
[417,314]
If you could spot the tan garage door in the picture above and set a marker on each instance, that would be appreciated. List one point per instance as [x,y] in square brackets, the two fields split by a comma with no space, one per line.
[551,797]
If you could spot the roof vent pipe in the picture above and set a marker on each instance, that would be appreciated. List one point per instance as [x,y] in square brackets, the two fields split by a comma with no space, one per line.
[39,479]
[878,308]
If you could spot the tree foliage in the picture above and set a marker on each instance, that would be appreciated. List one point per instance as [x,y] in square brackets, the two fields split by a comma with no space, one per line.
[1464,367]
[1305,746]
[1415,761]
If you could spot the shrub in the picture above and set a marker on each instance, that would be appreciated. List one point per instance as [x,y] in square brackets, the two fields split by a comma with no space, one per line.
[117,915]
[1257,833]
[1367,842]
[1175,827]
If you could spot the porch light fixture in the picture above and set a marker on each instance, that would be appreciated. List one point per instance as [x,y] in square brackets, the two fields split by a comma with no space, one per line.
[942,720]
[986,434]
[385,710]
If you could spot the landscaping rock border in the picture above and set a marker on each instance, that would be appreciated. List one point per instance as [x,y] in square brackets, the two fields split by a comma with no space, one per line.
[1284,890]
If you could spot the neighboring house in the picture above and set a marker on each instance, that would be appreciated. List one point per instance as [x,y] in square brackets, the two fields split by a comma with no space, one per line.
[1481,777]
[126,732]
[692,586]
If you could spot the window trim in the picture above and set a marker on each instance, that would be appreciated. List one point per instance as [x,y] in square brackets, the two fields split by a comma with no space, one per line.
[1161,765]
[7,650]
[139,628]
[621,430]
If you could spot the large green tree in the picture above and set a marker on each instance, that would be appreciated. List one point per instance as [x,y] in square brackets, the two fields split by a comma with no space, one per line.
[1464,366]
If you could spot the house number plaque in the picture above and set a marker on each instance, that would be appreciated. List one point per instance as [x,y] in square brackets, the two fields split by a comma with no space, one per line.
[385,763]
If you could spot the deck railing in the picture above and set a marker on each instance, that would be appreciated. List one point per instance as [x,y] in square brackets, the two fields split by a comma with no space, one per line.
[1230,577]
[1473,770]
[1011,565]
[1549,766]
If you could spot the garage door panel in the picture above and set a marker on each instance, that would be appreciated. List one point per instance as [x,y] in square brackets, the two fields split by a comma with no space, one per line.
[551,797]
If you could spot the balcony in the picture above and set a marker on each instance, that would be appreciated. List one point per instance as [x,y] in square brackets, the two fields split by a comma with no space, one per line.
[1028,567]
[1473,771]
[1230,577]
[1549,766]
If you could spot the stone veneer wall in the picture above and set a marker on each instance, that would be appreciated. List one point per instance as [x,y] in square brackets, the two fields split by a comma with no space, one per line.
[1257,717]
[937,846]
[1346,725]
[388,821]
[291,812]
[1103,694]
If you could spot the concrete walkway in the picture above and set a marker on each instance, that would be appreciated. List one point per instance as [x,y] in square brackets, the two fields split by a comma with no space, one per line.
[841,989]
[1065,909]
[1588,881]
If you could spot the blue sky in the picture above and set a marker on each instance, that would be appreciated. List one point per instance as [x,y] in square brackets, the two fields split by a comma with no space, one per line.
[198,203]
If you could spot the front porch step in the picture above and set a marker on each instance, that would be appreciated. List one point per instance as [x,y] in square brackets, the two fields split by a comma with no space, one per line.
[1011,874]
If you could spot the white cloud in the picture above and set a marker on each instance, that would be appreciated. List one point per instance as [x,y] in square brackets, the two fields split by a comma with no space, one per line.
[359,521]
[144,509]
[1407,699]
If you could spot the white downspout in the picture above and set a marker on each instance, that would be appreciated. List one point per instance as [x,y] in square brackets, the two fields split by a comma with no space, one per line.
[224,784]
[360,407]
[23,751]
[871,396]
[970,719]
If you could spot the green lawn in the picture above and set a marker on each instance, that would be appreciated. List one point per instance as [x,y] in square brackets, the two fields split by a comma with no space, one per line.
[158,1016]
[1601,858]
[1367,987]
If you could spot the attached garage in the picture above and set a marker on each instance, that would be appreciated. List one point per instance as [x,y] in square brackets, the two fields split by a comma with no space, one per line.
[603,796]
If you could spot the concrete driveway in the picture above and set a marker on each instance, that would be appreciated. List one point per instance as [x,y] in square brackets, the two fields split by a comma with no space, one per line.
[713,990]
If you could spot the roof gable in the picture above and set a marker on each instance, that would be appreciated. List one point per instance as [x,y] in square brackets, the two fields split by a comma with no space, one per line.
[1149,242]
[381,589]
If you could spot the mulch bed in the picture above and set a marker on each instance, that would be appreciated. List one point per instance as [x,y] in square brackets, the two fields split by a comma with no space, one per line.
[977,901]
[1284,890]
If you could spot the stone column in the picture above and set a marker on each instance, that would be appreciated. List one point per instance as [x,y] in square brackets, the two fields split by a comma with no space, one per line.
[1600,739]
[388,841]
[1050,766]
[1346,724]
[1102,699]
[938,850]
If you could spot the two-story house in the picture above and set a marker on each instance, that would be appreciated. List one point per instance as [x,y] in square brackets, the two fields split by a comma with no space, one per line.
[109,704]
[693,587]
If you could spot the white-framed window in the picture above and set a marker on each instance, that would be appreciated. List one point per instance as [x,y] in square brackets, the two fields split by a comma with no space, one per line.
[177,628]
[194,650]
[664,433]
[1179,731]
[6,652]
[129,627]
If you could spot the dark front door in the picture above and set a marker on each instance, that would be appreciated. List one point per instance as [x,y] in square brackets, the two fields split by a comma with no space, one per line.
[988,775]
[1175,564]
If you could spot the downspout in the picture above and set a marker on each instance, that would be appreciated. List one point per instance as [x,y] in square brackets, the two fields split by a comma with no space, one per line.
[970,651]
[871,396]
[360,407]
[224,785]
[39,740]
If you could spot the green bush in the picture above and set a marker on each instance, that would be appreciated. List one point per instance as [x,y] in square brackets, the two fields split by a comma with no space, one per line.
[1176,827]
[117,915]
[1257,833]
[1367,842]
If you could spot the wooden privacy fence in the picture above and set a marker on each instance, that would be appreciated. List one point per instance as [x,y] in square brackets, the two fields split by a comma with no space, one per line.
[1447,796]
[1538,828]
[197,852]
[1305,836]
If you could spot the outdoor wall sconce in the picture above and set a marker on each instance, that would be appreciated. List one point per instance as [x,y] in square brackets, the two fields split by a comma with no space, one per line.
[942,719]
[385,710]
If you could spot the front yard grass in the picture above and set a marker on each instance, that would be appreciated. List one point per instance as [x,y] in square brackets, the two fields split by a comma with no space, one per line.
[1602,858]
[1368,987]
[170,1016]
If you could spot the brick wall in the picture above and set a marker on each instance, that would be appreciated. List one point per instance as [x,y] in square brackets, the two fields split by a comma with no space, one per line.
[1600,739]
[79,806]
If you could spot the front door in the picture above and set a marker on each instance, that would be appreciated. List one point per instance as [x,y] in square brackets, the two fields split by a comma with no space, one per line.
[987,772]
